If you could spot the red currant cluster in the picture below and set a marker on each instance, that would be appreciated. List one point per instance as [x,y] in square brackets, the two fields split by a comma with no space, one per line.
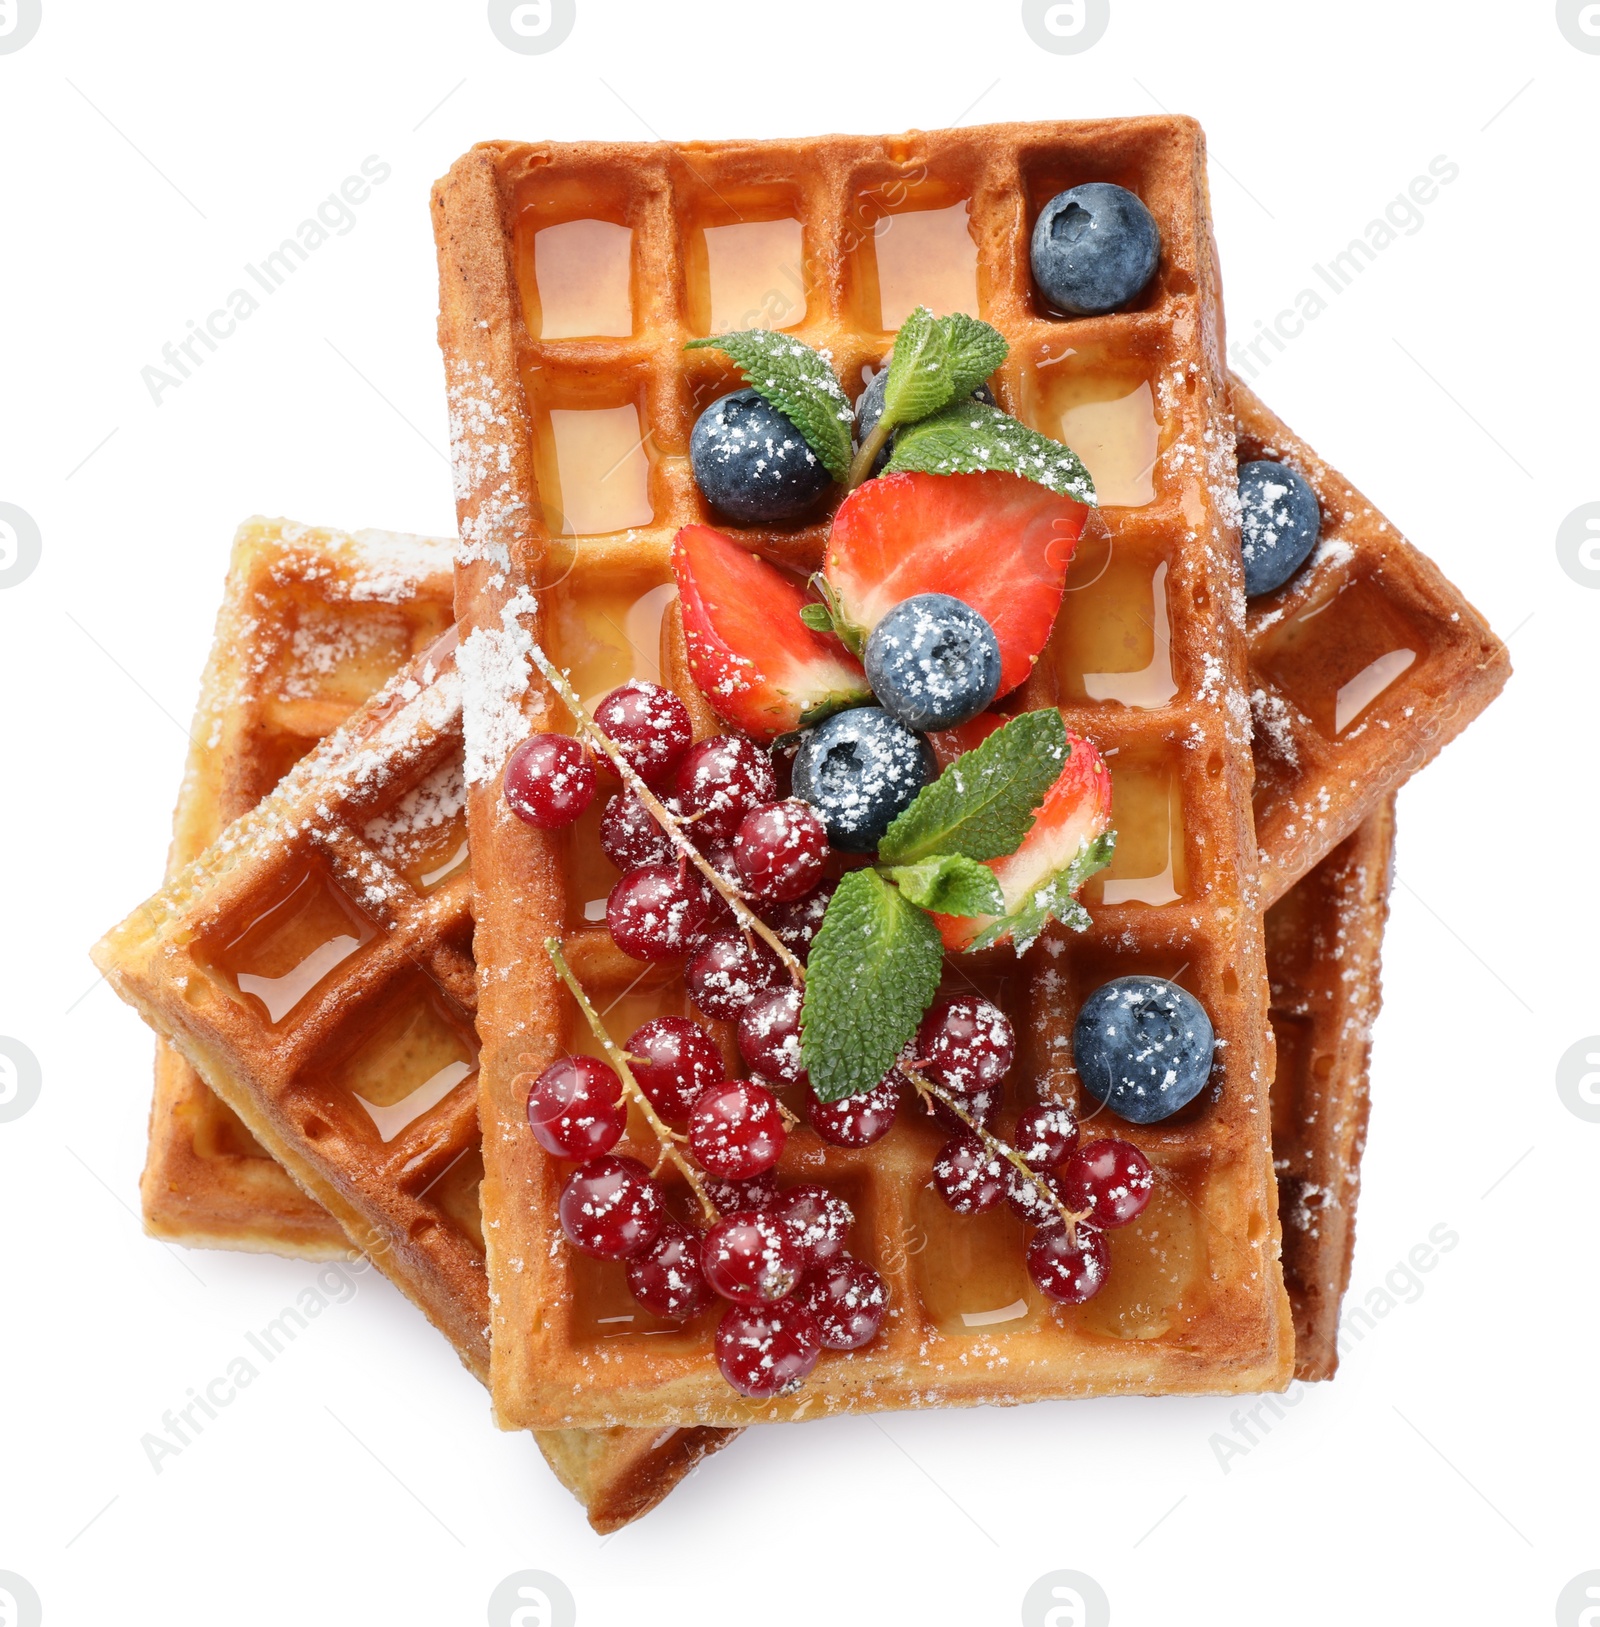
[777,1257]
[965,1045]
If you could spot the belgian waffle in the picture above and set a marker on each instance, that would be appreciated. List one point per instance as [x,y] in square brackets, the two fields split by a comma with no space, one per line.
[314,967]
[524,396]
[1362,667]
[312,622]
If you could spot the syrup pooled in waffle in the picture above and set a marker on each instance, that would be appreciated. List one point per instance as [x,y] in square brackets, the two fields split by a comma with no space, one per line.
[1363,666]
[572,400]
[314,966]
[312,622]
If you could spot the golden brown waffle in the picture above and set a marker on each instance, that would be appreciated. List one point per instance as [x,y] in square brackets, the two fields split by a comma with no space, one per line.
[312,622]
[1363,667]
[1323,942]
[314,966]
[586,437]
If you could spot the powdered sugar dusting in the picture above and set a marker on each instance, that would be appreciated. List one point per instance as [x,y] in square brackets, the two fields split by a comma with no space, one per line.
[495,670]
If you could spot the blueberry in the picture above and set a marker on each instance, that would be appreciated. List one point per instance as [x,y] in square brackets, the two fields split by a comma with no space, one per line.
[1143,1047]
[1095,247]
[859,770]
[869,409]
[752,465]
[1279,521]
[933,662]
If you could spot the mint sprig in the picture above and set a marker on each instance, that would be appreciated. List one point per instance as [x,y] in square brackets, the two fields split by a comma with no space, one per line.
[1051,900]
[951,884]
[970,437]
[983,804]
[800,383]
[873,971]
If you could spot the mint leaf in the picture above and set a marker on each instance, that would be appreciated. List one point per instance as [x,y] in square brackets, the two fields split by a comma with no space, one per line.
[969,437]
[873,971]
[1051,899]
[951,884]
[935,360]
[975,350]
[816,617]
[983,804]
[800,383]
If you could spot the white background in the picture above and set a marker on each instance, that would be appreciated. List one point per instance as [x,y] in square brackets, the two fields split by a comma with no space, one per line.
[145,153]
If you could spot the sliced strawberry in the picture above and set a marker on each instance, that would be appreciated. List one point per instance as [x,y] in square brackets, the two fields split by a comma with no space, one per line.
[997,541]
[1065,847]
[949,744]
[760,667]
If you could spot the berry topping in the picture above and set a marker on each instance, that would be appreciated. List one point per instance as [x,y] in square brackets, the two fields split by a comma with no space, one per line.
[998,543]
[735,1130]
[760,667]
[796,924]
[630,836]
[549,781]
[649,725]
[983,1107]
[1279,520]
[933,662]
[769,1036]
[856,1121]
[965,1043]
[721,780]
[969,1177]
[1067,1268]
[727,972]
[1028,1202]
[731,1197]
[1143,1046]
[859,770]
[675,1062]
[1109,1179]
[1095,247]
[869,409]
[666,1276]
[752,465]
[1045,1134]
[818,1220]
[611,1208]
[752,1258]
[780,850]
[848,1301]
[655,911]
[575,1108]
[1061,851]
[765,1350]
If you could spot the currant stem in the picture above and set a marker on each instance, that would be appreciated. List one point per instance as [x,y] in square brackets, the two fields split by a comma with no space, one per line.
[618,1059]
[595,736]
[1002,1149]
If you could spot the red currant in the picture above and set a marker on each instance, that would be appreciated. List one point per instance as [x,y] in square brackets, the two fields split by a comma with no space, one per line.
[736,1130]
[1029,1203]
[781,850]
[797,923]
[965,1043]
[1109,1179]
[982,1107]
[752,1258]
[653,912]
[575,1108]
[969,1177]
[675,1061]
[848,1300]
[765,1350]
[666,1277]
[769,1036]
[649,725]
[818,1220]
[1069,1269]
[549,781]
[732,1197]
[727,972]
[630,836]
[857,1121]
[1045,1134]
[721,780]
[612,1208]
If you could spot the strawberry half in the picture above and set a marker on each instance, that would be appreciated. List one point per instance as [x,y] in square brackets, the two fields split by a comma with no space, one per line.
[1070,840]
[1000,543]
[759,666]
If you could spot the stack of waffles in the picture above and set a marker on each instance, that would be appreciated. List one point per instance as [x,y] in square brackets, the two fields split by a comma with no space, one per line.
[349,1008]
